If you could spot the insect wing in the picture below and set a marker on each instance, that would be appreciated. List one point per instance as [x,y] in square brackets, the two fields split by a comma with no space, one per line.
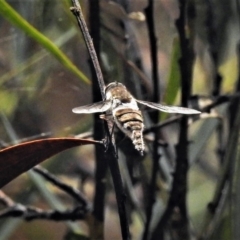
[169,109]
[93,108]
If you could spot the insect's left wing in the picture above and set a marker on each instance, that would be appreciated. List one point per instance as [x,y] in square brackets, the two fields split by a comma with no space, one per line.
[93,108]
[169,109]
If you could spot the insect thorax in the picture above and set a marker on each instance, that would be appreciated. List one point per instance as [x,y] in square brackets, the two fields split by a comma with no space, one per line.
[119,92]
[126,114]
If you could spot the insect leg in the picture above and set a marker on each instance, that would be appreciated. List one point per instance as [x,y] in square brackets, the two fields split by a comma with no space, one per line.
[111,124]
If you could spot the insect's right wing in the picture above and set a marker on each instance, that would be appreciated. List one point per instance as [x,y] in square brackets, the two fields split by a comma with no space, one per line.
[93,108]
[169,109]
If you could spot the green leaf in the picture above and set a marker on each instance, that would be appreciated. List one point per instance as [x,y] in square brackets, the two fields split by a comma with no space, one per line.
[14,18]
[173,83]
[35,58]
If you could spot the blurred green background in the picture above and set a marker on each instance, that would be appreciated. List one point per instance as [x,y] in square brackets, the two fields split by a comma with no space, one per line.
[44,73]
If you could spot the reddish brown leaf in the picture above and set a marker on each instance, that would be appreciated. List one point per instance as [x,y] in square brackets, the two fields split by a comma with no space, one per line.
[20,158]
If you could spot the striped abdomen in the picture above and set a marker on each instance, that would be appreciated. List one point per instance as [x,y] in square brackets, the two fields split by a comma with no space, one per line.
[131,123]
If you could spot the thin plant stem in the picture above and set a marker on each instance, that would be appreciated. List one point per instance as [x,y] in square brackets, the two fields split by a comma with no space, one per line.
[156,96]
[111,154]
[77,11]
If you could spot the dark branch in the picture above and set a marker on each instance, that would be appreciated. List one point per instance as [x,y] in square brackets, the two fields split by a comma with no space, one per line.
[63,186]
[77,11]
[176,207]
[32,213]
[111,154]
[155,117]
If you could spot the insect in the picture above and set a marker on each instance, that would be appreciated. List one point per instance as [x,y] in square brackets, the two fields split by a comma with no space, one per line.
[122,108]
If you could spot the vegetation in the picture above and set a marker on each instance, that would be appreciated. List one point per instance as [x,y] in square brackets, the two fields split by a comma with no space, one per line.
[181,52]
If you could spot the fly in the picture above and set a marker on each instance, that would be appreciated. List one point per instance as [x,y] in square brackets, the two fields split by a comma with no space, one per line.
[122,108]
